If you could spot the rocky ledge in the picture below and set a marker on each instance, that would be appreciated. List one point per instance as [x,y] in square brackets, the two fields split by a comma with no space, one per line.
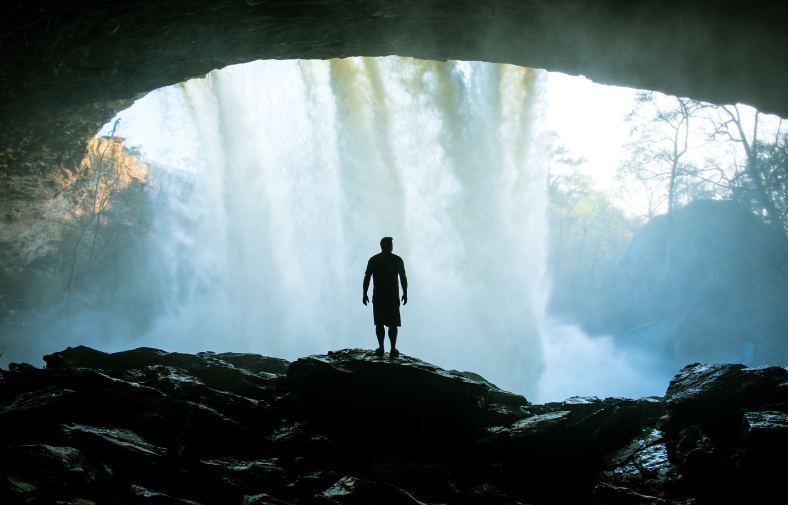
[146,426]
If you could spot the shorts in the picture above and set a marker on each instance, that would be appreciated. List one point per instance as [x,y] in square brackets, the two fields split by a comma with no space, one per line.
[386,314]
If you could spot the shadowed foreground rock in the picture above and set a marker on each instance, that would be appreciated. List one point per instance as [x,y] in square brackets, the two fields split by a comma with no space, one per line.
[146,426]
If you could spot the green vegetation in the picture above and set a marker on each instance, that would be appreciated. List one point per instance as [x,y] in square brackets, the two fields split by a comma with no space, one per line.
[588,232]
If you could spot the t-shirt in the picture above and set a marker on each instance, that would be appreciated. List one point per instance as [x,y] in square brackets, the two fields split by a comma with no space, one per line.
[385,268]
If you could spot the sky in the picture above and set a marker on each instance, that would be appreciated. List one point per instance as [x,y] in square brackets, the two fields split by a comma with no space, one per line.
[588,118]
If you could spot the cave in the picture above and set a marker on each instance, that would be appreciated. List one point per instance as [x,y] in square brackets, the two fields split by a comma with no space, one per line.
[68,67]
[149,426]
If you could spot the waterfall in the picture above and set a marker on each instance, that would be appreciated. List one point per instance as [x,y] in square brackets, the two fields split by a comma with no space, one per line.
[298,168]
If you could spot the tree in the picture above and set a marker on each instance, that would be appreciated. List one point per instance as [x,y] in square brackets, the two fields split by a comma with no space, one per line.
[85,216]
[759,182]
[588,233]
[663,131]
[109,213]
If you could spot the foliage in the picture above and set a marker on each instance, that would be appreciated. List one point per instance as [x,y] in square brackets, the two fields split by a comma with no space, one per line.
[110,216]
[588,233]
[134,151]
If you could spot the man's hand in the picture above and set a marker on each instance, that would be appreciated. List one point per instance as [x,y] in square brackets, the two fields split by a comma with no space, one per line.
[405,299]
[366,299]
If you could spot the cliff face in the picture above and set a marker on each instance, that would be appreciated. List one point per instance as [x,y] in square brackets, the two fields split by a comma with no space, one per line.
[71,231]
[349,427]
[38,212]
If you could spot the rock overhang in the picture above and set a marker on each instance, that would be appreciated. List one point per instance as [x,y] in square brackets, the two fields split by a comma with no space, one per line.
[69,66]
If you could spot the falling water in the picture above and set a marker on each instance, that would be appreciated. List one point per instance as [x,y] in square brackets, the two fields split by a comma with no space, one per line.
[298,168]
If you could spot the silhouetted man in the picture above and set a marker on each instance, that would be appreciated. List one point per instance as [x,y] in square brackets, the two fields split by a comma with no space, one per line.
[384,268]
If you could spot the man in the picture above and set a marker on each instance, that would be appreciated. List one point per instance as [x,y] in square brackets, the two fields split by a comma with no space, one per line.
[384,268]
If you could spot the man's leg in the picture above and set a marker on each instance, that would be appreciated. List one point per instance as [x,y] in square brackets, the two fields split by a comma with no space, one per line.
[380,332]
[392,337]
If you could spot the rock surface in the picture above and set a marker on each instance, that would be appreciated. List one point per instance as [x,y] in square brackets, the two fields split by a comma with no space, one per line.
[350,427]
[68,66]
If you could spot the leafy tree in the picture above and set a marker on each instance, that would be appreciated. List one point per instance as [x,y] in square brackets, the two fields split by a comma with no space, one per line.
[109,218]
[588,233]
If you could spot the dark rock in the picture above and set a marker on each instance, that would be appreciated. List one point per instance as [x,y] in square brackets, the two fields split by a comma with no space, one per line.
[622,455]
[117,447]
[767,432]
[360,393]
[306,486]
[350,490]
[252,362]
[648,471]
[40,471]
[17,367]
[261,499]
[178,383]
[208,367]
[351,427]
[147,496]
[652,409]
[704,457]
[580,406]
[539,437]
[227,478]
[607,494]
[699,393]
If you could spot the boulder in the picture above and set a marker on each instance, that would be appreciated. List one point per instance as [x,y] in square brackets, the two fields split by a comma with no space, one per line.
[253,376]
[700,393]
[365,396]
[352,491]
[43,471]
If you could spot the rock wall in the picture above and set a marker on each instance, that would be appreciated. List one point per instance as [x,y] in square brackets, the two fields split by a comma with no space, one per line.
[35,211]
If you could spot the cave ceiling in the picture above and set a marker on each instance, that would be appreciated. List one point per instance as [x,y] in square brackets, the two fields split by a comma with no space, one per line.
[67,66]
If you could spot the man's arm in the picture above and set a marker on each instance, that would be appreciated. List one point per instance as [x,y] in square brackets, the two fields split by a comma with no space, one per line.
[404,281]
[365,300]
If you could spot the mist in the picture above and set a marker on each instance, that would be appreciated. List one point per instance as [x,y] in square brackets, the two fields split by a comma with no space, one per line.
[277,179]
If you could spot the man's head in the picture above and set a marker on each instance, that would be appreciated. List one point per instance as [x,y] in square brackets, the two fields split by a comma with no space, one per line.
[387,244]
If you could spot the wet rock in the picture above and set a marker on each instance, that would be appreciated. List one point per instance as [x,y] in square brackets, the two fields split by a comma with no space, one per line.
[652,409]
[207,367]
[44,471]
[350,490]
[306,486]
[147,496]
[352,427]
[607,494]
[580,406]
[117,447]
[252,362]
[622,455]
[227,478]
[767,431]
[357,392]
[261,499]
[17,367]
[178,383]
[648,471]
[484,494]
[698,393]
[538,437]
